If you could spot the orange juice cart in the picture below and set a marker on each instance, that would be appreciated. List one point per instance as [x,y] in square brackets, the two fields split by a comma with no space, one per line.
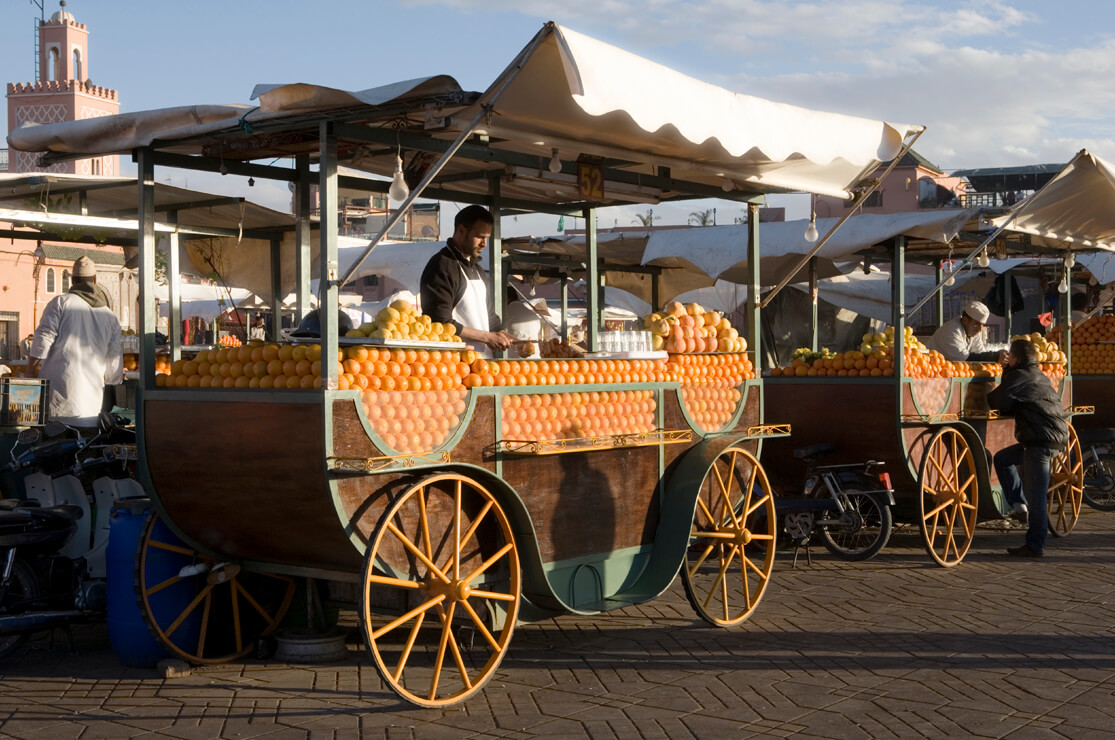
[458,494]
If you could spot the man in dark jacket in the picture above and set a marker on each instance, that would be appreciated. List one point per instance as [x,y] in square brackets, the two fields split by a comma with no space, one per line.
[453,286]
[1041,430]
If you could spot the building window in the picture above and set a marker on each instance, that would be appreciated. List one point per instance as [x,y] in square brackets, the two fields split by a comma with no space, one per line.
[77,65]
[65,281]
[50,280]
[97,167]
[875,200]
[52,63]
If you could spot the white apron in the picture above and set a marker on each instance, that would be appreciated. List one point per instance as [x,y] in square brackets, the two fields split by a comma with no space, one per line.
[472,309]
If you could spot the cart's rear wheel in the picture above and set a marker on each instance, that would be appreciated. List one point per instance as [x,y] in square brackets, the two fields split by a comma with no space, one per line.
[731,546]
[441,590]
[1066,487]
[949,496]
[202,609]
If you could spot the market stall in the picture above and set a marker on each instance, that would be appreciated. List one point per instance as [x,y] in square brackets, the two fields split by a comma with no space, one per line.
[557,485]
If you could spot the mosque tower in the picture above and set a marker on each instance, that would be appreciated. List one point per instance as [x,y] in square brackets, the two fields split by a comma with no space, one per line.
[63,92]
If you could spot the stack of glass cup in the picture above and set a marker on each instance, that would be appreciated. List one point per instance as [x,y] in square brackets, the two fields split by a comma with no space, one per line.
[614,342]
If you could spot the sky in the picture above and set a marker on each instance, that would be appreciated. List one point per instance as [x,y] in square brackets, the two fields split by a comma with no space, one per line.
[996,82]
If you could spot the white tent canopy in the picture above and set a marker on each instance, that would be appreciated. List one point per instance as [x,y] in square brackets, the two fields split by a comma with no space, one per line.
[719,251]
[870,295]
[564,91]
[1075,210]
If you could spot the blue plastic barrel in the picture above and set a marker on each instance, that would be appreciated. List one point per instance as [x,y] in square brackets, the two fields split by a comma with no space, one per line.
[132,642]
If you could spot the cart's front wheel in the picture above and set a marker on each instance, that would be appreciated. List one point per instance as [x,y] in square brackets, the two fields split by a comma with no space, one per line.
[202,609]
[949,495]
[1066,487]
[731,546]
[1099,481]
[441,590]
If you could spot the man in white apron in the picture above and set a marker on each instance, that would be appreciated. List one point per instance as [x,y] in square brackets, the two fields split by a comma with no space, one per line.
[453,287]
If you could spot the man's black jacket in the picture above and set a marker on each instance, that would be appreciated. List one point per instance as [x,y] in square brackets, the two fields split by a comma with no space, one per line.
[1028,396]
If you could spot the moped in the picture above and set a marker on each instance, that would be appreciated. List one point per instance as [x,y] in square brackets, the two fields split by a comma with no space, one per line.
[53,542]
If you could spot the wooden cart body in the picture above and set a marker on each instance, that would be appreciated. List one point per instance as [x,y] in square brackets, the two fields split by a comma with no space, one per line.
[294,482]
[891,420]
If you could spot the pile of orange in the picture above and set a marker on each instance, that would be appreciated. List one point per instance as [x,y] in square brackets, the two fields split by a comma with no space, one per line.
[852,363]
[252,366]
[229,340]
[1089,357]
[563,372]
[372,369]
[415,421]
[551,416]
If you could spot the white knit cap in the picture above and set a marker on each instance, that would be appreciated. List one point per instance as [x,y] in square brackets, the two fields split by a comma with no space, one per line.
[977,311]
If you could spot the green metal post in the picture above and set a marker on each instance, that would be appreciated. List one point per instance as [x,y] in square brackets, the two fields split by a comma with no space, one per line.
[754,327]
[1007,300]
[302,249]
[813,298]
[327,270]
[145,177]
[898,306]
[495,252]
[593,303]
[564,308]
[174,290]
[276,289]
[1066,319]
[940,275]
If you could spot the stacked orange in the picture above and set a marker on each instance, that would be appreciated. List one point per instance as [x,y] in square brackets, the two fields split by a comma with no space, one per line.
[415,421]
[710,385]
[253,366]
[1089,357]
[853,363]
[563,372]
[229,340]
[369,368]
[551,416]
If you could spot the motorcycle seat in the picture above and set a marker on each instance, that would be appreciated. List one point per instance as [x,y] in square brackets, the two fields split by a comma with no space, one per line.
[10,503]
[66,512]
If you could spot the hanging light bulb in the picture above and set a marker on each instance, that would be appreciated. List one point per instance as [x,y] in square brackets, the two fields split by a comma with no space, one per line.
[984,260]
[811,234]
[727,186]
[555,163]
[951,280]
[1063,286]
[399,190]
[1070,260]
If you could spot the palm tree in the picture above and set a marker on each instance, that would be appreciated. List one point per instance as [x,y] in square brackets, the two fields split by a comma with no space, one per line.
[701,218]
[645,219]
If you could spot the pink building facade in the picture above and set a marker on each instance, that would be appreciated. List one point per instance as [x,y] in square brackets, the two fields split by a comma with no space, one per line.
[914,184]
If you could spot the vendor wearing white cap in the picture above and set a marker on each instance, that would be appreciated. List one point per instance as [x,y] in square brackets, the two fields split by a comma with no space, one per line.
[961,339]
[77,346]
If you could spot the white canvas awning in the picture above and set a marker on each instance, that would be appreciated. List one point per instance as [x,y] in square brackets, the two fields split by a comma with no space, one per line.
[565,91]
[1075,210]
[870,295]
[720,251]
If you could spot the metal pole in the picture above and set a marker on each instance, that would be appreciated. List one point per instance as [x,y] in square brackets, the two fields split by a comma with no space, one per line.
[1008,298]
[174,290]
[564,308]
[898,304]
[939,275]
[851,211]
[754,326]
[276,289]
[592,283]
[327,284]
[302,250]
[497,276]
[145,177]
[814,291]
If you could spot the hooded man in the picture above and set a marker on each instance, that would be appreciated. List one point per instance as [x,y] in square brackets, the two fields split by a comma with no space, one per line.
[77,348]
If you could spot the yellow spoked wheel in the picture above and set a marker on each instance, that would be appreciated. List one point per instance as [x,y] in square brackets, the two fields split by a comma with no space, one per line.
[202,609]
[949,496]
[441,590]
[1066,487]
[731,546]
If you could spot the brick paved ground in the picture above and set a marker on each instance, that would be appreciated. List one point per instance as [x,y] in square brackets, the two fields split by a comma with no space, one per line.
[894,647]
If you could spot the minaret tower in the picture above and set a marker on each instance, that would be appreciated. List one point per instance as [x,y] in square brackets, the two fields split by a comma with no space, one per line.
[63,92]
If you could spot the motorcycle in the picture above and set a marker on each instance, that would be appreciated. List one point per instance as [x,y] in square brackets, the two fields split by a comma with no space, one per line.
[53,543]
